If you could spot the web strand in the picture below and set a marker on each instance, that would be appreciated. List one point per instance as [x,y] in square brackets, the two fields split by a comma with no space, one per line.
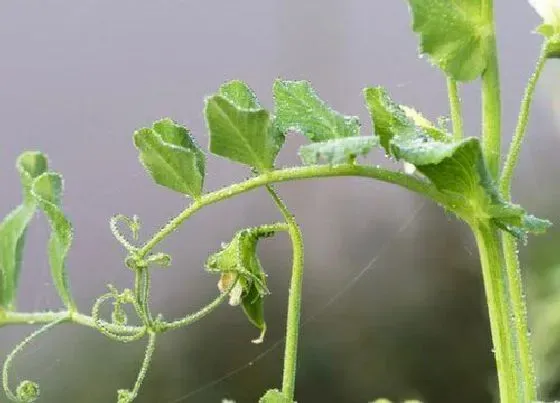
[336,297]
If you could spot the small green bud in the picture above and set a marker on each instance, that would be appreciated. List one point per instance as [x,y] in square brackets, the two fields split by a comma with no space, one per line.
[118,316]
[161,259]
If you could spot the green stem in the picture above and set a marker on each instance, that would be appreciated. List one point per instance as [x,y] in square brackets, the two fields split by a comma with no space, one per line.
[520,322]
[294,299]
[290,174]
[491,99]
[496,288]
[455,108]
[191,318]
[521,129]
[146,295]
[24,318]
[509,244]
[145,364]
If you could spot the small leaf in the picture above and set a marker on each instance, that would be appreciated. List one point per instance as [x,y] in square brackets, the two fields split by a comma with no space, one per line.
[14,227]
[30,165]
[457,169]
[299,108]
[171,157]
[274,396]
[238,259]
[47,191]
[240,129]
[337,151]
[454,34]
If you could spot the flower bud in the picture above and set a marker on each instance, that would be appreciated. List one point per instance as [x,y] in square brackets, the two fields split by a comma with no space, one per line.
[549,10]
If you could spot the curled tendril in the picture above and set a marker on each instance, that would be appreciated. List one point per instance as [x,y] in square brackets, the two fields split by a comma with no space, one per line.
[27,391]
[124,396]
[118,331]
[136,262]
[133,225]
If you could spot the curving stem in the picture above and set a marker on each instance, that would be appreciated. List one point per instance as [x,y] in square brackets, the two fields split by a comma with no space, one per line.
[294,299]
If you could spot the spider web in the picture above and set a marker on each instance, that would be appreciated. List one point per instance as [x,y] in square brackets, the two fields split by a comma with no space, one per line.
[385,247]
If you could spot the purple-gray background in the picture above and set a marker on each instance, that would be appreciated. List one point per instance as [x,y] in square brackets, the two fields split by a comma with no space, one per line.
[77,78]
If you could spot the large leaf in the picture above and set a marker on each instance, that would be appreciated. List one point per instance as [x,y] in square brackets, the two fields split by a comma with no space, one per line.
[13,228]
[298,108]
[238,259]
[274,396]
[240,129]
[455,35]
[457,169]
[47,191]
[171,157]
[337,151]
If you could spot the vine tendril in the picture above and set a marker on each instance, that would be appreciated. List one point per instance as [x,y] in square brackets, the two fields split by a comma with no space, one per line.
[27,391]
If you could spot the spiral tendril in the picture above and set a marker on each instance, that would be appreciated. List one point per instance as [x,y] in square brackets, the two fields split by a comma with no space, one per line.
[118,331]
[27,391]
[133,225]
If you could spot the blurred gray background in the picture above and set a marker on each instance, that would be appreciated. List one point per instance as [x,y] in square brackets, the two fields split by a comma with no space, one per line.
[77,78]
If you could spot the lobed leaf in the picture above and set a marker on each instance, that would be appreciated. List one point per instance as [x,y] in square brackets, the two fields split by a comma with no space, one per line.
[298,108]
[14,227]
[238,259]
[337,151]
[47,191]
[240,129]
[454,34]
[274,396]
[456,168]
[171,156]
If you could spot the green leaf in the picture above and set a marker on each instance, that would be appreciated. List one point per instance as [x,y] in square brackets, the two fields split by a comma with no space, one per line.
[454,34]
[47,191]
[238,259]
[240,129]
[274,396]
[457,169]
[14,227]
[337,151]
[30,165]
[172,157]
[298,108]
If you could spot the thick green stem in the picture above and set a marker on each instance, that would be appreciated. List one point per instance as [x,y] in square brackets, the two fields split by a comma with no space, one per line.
[521,129]
[491,100]
[491,115]
[294,299]
[455,108]
[496,288]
